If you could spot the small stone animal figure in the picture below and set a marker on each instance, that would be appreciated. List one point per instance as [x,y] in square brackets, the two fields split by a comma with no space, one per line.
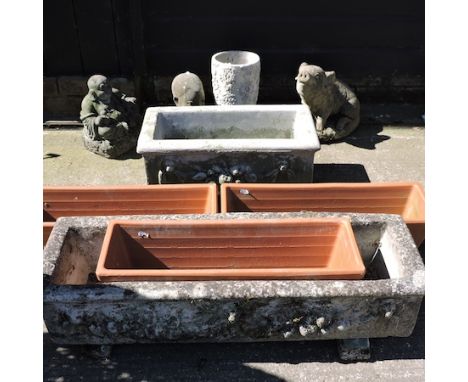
[187,90]
[334,106]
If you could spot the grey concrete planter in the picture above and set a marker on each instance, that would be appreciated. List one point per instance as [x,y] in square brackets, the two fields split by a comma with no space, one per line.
[251,143]
[80,310]
[235,76]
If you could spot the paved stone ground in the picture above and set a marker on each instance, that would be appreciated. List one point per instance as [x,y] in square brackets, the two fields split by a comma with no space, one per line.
[388,146]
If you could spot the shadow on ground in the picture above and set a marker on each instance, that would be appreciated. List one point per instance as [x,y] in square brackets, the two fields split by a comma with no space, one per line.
[375,117]
[340,172]
[366,137]
[132,154]
[51,155]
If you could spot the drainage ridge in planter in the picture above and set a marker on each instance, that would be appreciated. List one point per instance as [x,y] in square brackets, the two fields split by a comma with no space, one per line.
[126,200]
[404,198]
[231,249]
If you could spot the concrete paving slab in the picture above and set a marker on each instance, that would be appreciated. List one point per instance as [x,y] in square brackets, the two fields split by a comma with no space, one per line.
[374,153]
[67,162]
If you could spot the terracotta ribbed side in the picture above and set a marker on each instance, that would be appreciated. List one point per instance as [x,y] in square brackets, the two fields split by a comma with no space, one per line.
[405,199]
[230,249]
[127,200]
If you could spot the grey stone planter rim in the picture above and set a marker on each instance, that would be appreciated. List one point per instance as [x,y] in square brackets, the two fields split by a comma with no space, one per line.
[253,57]
[147,144]
[410,281]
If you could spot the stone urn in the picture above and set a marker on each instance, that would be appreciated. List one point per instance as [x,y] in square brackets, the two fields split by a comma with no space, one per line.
[235,76]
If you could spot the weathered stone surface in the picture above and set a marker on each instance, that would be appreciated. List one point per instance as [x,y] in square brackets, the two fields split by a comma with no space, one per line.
[355,349]
[111,119]
[333,104]
[187,90]
[108,150]
[385,304]
[235,77]
[230,168]
[242,143]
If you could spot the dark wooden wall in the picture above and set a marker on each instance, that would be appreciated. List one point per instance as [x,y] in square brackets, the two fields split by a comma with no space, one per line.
[361,39]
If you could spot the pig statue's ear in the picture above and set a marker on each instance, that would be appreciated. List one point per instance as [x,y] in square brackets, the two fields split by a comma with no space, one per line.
[331,76]
[304,64]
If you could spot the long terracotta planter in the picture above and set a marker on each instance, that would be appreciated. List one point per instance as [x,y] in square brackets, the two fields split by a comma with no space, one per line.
[405,199]
[126,200]
[230,250]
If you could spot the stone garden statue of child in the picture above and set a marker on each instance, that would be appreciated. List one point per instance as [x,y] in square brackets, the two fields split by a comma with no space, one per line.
[111,119]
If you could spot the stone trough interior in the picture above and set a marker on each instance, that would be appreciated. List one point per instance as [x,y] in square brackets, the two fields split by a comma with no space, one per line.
[247,143]
[228,124]
[79,255]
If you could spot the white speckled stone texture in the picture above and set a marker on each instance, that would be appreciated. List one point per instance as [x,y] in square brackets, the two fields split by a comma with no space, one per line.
[235,77]
[78,310]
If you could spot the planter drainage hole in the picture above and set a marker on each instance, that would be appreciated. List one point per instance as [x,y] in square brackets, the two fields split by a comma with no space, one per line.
[143,235]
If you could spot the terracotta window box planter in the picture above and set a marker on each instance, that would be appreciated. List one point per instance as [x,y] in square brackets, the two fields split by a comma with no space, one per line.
[230,250]
[126,200]
[405,199]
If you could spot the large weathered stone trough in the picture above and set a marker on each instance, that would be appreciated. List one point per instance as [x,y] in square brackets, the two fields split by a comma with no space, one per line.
[247,143]
[80,310]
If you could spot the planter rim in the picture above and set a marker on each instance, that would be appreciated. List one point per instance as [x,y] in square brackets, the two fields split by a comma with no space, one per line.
[410,281]
[323,185]
[316,186]
[120,187]
[147,145]
[253,58]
